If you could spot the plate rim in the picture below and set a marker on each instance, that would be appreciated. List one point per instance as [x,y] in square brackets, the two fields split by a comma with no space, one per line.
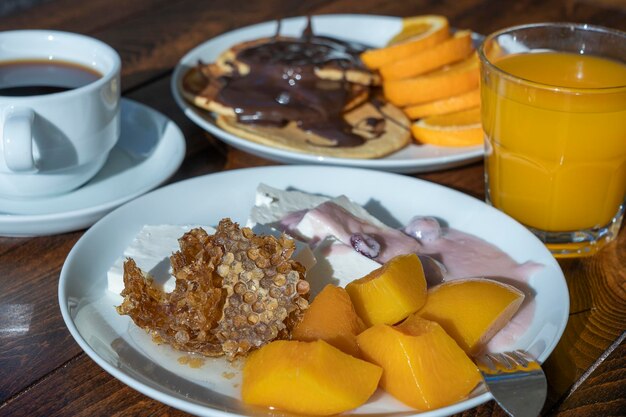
[195,408]
[413,165]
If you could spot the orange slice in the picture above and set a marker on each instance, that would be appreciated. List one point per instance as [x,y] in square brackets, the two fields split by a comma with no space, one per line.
[448,81]
[445,105]
[454,129]
[418,33]
[451,50]
[415,26]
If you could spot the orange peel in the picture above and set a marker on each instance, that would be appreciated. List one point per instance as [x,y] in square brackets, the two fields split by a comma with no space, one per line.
[448,81]
[446,105]
[453,49]
[418,33]
[454,129]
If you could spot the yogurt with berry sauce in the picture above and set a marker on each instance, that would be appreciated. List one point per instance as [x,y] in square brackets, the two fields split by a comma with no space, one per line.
[462,255]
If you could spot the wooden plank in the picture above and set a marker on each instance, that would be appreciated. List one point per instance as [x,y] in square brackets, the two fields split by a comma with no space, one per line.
[468,179]
[152,35]
[603,392]
[77,16]
[148,55]
[597,319]
[33,338]
[87,391]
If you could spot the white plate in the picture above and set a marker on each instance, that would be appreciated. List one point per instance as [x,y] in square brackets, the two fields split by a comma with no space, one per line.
[150,149]
[125,352]
[366,29]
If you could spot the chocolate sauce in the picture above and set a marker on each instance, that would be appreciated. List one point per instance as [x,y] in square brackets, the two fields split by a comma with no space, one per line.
[279,25]
[375,125]
[282,87]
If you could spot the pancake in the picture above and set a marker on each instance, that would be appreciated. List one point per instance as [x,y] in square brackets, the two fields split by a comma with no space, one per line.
[228,63]
[293,138]
[201,86]
[310,95]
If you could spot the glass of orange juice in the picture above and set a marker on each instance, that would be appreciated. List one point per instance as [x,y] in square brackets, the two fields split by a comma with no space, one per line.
[553,105]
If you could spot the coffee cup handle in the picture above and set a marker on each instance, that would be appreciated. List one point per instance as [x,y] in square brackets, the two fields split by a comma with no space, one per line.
[17,139]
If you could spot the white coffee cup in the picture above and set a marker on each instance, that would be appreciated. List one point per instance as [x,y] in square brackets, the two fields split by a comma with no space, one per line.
[54,143]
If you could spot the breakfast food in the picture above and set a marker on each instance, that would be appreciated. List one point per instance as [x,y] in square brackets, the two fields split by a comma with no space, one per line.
[234,292]
[306,94]
[418,33]
[316,219]
[451,104]
[363,122]
[390,293]
[453,49]
[462,128]
[471,311]
[451,80]
[439,77]
[307,378]
[324,96]
[422,366]
[331,317]
[240,57]
[239,294]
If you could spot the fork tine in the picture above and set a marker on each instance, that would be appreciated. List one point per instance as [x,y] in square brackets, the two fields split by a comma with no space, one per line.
[524,355]
[516,359]
[520,358]
[516,382]
[504,359]
[486,362]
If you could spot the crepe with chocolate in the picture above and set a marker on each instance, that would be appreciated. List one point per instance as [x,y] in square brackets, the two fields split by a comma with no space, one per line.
[310,94]
[325,68]
[364,120]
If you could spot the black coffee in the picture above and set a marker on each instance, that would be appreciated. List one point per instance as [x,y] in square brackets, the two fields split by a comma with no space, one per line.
[37,77]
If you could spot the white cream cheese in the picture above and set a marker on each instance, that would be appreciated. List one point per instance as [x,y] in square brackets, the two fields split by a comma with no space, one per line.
[273,205]
[154,244]
[337,264]
[151,249]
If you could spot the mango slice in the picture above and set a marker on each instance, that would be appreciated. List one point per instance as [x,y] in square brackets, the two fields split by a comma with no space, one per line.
[332,318]
[422,366]
[307,378]
[472,310]
[390,293]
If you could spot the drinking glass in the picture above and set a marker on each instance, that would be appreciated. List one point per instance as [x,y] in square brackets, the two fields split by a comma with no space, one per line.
[553,98]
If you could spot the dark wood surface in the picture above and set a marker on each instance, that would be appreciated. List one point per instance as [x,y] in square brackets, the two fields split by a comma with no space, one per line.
[43,372]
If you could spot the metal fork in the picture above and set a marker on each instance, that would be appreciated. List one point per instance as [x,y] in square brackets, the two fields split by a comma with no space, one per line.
[516,382]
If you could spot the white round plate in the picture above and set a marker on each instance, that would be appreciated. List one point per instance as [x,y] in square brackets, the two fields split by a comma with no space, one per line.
[366,29]
[150,149]
[127,353]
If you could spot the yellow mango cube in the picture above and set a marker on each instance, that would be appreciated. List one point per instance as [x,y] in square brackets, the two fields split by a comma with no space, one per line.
[332,318]
[390,293]
[422,366]
[307,378]
[472,310]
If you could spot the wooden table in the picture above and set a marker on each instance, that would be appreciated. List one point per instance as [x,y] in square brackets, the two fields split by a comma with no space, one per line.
[43,372]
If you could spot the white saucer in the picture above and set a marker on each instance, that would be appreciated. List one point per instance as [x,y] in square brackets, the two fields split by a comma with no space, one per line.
[150,149]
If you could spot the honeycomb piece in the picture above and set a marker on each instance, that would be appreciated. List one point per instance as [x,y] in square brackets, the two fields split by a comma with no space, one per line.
[266,293]
[235,291]
[185,317]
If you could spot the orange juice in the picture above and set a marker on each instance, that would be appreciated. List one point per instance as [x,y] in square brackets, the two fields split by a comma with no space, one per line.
[556,152]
